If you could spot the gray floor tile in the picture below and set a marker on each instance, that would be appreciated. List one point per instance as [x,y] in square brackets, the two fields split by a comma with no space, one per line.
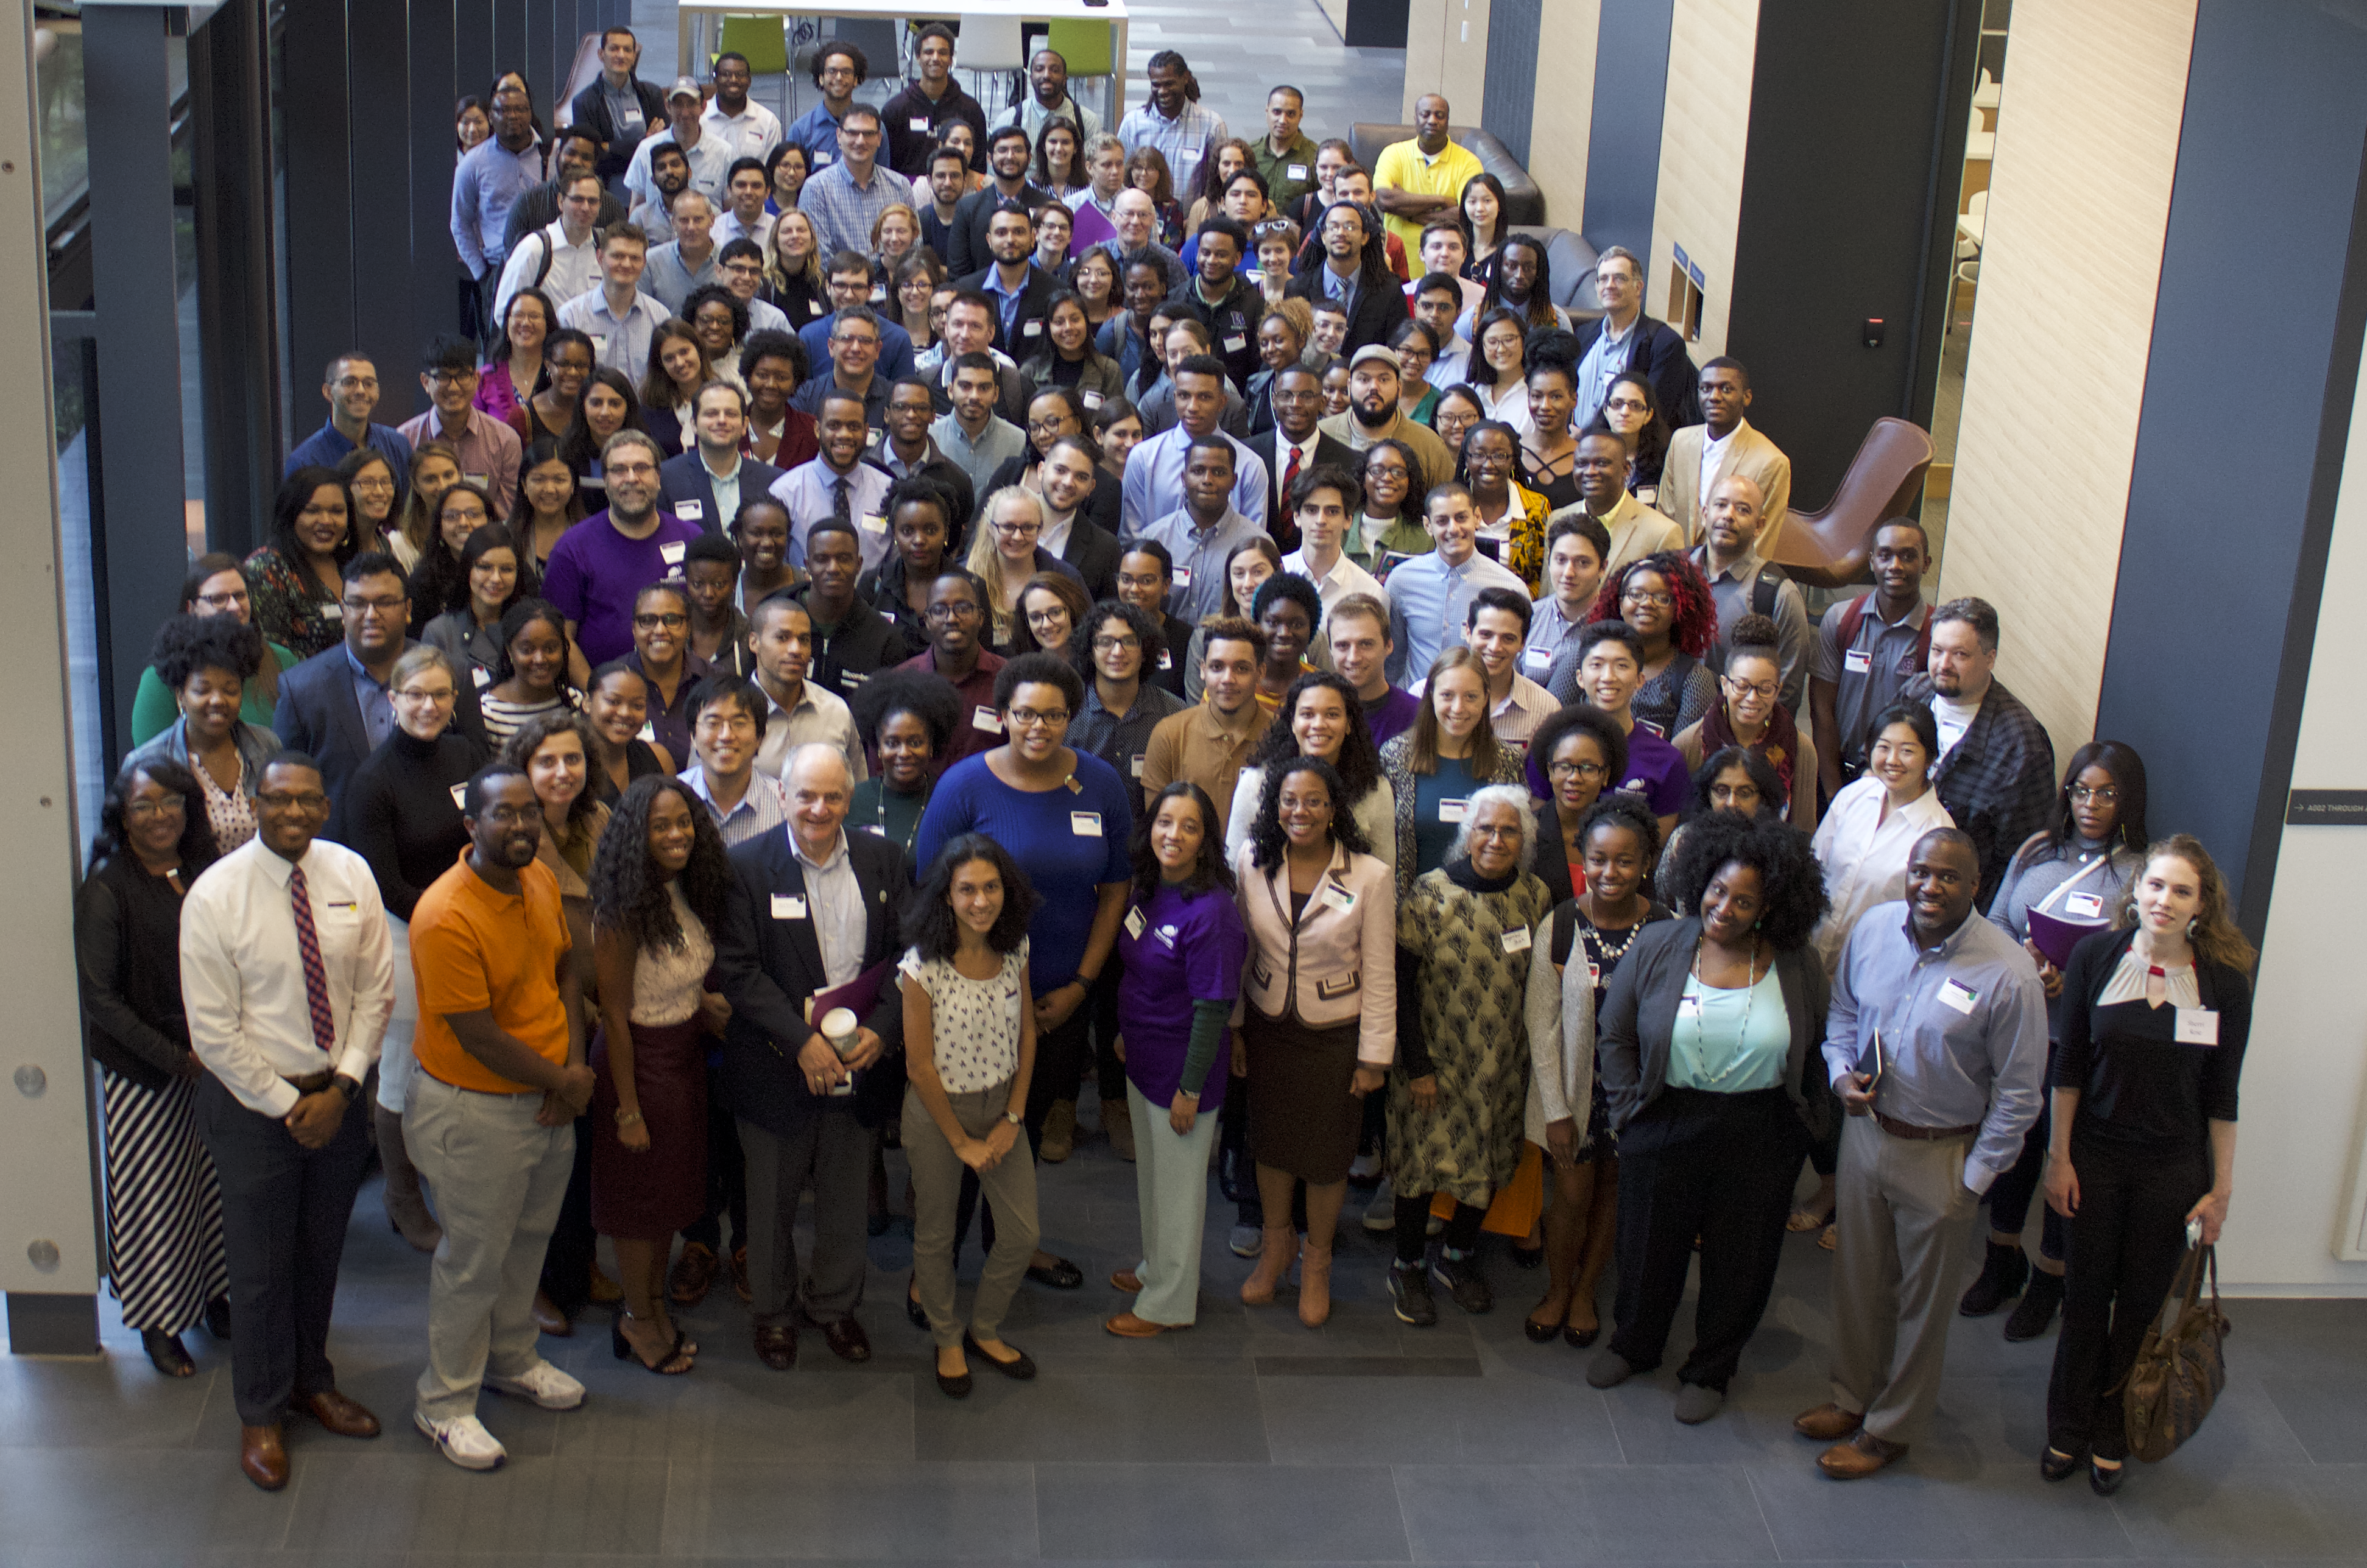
[1996,1511]
[726,1411]
[2266,1514]
[115,1401]
[1231,1512]
[1105,1417]
[400,1492]
[2327,1414]
[123,1501]
[1580,1512]
[868,1512]
[1335,1420]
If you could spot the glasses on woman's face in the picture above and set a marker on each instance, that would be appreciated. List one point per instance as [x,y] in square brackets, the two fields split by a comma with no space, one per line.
[1661,598]
[1018,530]
[1031,718]
[672,620]
[1558,770]
[149,810]
[1739,689]
[2101,794]
[1625,405]
[235,599]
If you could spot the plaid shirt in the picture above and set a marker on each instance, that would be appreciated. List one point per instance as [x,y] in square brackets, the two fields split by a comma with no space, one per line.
[1183,142]
[843,212]
[1999,781]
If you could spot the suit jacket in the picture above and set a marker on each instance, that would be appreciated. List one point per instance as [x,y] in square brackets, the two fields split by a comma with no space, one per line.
[318,715]
[1092,551]
[1750,454]
[1025,338]
[1656,353]
[1333,966]
[685,478]
[973,214]
[770,968]
[1269,445]
[590,109]
[1378,313]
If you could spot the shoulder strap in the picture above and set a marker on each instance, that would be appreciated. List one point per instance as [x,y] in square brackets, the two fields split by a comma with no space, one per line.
[548,251]
[1768,582]
[1853,617]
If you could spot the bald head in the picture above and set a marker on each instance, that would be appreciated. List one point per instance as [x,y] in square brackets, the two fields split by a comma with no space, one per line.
[1734,517]
[818,783]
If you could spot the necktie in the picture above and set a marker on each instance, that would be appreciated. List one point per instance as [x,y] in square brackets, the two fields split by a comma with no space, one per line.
[316,974]
[1290,475]
[838,503]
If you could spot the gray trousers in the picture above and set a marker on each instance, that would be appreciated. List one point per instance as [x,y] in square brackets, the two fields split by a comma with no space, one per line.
[936,1193]
[499,1180]
[1171,1180]
[1904,1215]
[831,1153]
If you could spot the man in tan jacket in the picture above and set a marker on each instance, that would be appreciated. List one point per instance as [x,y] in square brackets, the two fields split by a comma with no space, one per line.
[1701,455]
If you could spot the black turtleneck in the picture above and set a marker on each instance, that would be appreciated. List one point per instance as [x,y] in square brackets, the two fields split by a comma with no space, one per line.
[402,816]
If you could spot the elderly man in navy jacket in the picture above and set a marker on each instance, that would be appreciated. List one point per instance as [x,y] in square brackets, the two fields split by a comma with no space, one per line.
[810,908]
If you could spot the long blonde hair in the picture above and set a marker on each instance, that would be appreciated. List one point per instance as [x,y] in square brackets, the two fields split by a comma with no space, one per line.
[986,561]
[2214,934]
[810,274]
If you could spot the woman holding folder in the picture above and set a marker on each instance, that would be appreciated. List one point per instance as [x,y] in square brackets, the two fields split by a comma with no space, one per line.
[2066,882]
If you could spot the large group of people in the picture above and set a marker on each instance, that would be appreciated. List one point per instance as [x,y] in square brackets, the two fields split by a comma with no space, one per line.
[910,614]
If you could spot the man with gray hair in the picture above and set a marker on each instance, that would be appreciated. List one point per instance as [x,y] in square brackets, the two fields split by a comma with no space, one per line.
[1623,340]
[1136,218]
[687,261]
[810,928]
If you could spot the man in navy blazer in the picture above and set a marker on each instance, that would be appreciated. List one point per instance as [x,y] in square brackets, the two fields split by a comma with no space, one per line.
[320,699]
[686,484]
[1650,348]
[810,908]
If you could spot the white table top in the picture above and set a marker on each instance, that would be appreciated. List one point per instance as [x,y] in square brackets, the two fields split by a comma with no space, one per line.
[1027,10]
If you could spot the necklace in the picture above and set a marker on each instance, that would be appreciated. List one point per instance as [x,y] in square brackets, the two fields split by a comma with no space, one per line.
[1750,1000]
[880,815]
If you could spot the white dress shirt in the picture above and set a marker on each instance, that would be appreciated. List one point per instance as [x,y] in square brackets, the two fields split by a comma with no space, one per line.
[243,973]
[1345,578]
[573,270]
[754,132]
[1864,853]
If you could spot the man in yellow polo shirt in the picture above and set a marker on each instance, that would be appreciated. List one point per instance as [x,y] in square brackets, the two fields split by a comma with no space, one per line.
[1418,180]
[490,1116]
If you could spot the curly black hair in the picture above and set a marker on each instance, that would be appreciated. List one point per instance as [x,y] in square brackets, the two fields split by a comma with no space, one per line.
[708,294]
[1623,811]
[1763,773]
[1359,766]
[1266,841]
[929,912]
[528,738]
[1582,718]
[186,644]
[198,848]
[1040,669]
[929,697]
[1792,884]
[1209,873]
[1297,590]
[628,897]
[1148,632]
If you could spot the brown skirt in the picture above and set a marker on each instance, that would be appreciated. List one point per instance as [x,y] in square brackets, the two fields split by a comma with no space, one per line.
[656,1192]
[1303,1119]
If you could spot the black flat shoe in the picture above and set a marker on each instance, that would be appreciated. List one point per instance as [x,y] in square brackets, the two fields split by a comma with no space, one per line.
[2103,1481]
[954,1388]
[165,1350]
[1062,1275]
[1020,1366]
[1528,1257]
[1539,1333]
[2055,1465]
[914,1312]
[217,1318]
[1582,1338]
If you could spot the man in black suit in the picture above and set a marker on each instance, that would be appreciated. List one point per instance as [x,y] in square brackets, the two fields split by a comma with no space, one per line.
[1355,271]
[337,706]
[1007,152]
[810,908]
[1069,477]
[1294,446]
[710,483]
[1021,290]
[1650,348]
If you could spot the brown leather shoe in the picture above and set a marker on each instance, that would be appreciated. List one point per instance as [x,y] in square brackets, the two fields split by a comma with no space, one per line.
[847,1340]
[1126,1325]
[337,1413]
[776,1347]
[693,1274]
[549,1319]
[1126,1279]
[739,1277]
[1861,1456]
[1827,1423]
[262,1457]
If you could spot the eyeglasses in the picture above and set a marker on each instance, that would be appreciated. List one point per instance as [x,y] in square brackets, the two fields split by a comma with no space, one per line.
[148,810]
[1115,644]
[672,620]
[631,470]
[230,601]
[281,800]
[1740,689]
[1047,617]
[1506,830]
[413,694]
[451,378]
[376,606]
[1028,718]
[1625,405]
[1645,596]
[2102,795]
[854,340]
[964,612]
[1045,426]
[380,483]
[1018,530]
[1575,771]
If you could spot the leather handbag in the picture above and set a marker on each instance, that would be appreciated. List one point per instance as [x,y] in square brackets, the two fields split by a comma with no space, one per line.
[2179,1370]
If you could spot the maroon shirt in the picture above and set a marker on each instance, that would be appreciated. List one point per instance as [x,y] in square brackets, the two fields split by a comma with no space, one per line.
[970,735]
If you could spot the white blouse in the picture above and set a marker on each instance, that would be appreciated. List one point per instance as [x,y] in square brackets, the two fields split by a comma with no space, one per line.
[668,981]
[1864,854]
[2128,983]
[974,1025]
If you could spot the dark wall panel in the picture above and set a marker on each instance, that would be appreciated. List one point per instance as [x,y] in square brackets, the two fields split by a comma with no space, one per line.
[434,272]
[320,198]
[1846,172]
[1508,108]
[509,40]
[380,157]
[1622,150]
[2276,119]
[542,56]
[473,53]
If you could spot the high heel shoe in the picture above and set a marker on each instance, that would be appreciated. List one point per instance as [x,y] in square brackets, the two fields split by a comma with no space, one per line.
[1276,1250]
[166,1352]
[1314,1284]
[2102,1481]
[665,1365]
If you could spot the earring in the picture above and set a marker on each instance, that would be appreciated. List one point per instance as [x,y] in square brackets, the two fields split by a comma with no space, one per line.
[2190,926]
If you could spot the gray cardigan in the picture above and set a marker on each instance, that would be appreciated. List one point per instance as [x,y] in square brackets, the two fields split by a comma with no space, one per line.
[1639,1015]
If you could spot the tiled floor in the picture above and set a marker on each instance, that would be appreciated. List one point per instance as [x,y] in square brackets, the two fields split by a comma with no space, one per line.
[1248,1439]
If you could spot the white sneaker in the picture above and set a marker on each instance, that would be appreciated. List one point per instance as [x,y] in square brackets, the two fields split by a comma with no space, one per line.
[464,1440]
[543,1383]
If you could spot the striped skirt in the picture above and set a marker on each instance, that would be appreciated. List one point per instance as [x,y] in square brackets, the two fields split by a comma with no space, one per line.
[164,1206]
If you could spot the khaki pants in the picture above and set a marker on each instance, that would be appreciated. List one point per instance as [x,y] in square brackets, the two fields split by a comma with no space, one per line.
[1904,1215]
[1010,1185]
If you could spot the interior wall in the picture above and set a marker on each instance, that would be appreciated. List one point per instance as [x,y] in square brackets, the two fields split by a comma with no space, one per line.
[1446,52]
[1561,120]
[1630,84]
[1705,135]
[2087,149]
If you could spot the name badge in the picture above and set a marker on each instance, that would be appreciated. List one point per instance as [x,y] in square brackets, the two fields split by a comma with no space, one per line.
[1539,660]
[333,611]
[672,553]
[1183,580]
[1236,342]
[1453,810]
[1689,1006]
[649,732]
[632,118]
[1093,400]
[823,160]
[1085,824]
[876,829]
[1340,898]
[984,717]
[872,525]
[2198,1026]
[874,436]
[789,907]
[599,343]
[1135,922]
[1166,659]
[1517,940]
[918,122]
[481,675]
[1593,974]
[1857,661]
[1959,996]
[690,510]
[1293,171]
[460,803]
[2086,905]
[851,679]
[1137,767]
[1030,329]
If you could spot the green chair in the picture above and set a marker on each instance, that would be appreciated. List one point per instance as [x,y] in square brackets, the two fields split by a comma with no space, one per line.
[764,41]
[1085,45]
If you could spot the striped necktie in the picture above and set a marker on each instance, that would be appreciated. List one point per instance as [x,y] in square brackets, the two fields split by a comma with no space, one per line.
[316,974]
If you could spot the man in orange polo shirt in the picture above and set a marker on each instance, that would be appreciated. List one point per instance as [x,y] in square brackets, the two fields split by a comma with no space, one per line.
[490,1117]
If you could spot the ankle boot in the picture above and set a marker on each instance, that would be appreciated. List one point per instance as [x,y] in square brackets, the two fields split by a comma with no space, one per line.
[406,1206]
[2036,1311]
[1276,1252]
[2002,1273]
[1060,1132]
[1315,1284]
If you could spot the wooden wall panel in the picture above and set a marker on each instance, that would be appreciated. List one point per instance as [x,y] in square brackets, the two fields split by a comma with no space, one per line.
[1704,132]
[1562,119]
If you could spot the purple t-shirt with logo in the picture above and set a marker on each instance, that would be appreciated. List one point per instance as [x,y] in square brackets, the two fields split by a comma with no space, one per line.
[595,572]
[1189,951]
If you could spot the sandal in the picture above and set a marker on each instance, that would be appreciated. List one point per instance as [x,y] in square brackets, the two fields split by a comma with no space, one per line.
[673,1364]
[1802,1221]
[1831,1237]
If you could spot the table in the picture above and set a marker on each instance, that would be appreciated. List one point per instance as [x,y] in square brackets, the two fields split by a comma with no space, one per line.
[697,18]
[1972,225]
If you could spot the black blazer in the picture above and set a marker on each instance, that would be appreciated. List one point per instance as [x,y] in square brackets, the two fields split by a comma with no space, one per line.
[591,110]
[1268,444]
[966,249]
[318,715]
[1656,353]
[1379,312]
[1092,550]
[1025,337]
[127,957]
[685,478]
[770,968]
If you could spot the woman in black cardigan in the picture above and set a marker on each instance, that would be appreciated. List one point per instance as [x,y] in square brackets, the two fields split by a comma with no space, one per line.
[2153,1020]
[1708,1048]
[164,1205]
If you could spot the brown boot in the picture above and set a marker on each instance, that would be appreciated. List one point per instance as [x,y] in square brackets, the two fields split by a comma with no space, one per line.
[1059,1130]
[406,1204]
[1117,1121]
[1315,1284]
[1279,1250]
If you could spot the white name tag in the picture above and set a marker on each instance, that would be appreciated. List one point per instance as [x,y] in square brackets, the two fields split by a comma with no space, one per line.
[2198,1026]
[1166,659]
[2086,905]
[1689,1006]
[1137,767]
[599,343]
[1135,922]
[983,718]
[1085,824]
[672,553]
[1093,400]
[648,733]
[1293,171]
[789,907]
[481,675]
[1183,579]
[1857,661]
[1517,940]
[1538,659]
[333,611]
[1453,810]
[1030,329]
[479,480]
[823,160]
[1593,973]
[690,510]
[918,122]
[875,524]
[1236,342]
[1339,898]
[1959,996]
[460,803]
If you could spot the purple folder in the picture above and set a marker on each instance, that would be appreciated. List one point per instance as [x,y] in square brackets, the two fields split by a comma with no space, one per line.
[2056,938]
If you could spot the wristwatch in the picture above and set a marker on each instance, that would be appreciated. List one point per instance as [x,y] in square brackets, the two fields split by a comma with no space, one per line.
[351,1085]
[1015,1118]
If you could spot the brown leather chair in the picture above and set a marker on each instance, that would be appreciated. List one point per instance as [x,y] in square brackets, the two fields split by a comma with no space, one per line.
[1829,548]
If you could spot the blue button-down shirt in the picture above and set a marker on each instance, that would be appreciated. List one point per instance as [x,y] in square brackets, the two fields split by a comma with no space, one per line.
[1183,142]
[620,343]
[1199,556]
[1154,482]
[842,211]
[488,181]
[760,811]
[1964,1031]
[671,279]
[809,493]
[1429,602]
[372,698]
[834,901]
[816,131]
[327,446]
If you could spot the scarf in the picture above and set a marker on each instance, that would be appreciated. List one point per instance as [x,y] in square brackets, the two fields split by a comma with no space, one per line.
[1465,876]
[1780,745]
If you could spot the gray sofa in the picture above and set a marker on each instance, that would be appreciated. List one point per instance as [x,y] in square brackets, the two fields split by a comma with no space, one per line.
[1568,258]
